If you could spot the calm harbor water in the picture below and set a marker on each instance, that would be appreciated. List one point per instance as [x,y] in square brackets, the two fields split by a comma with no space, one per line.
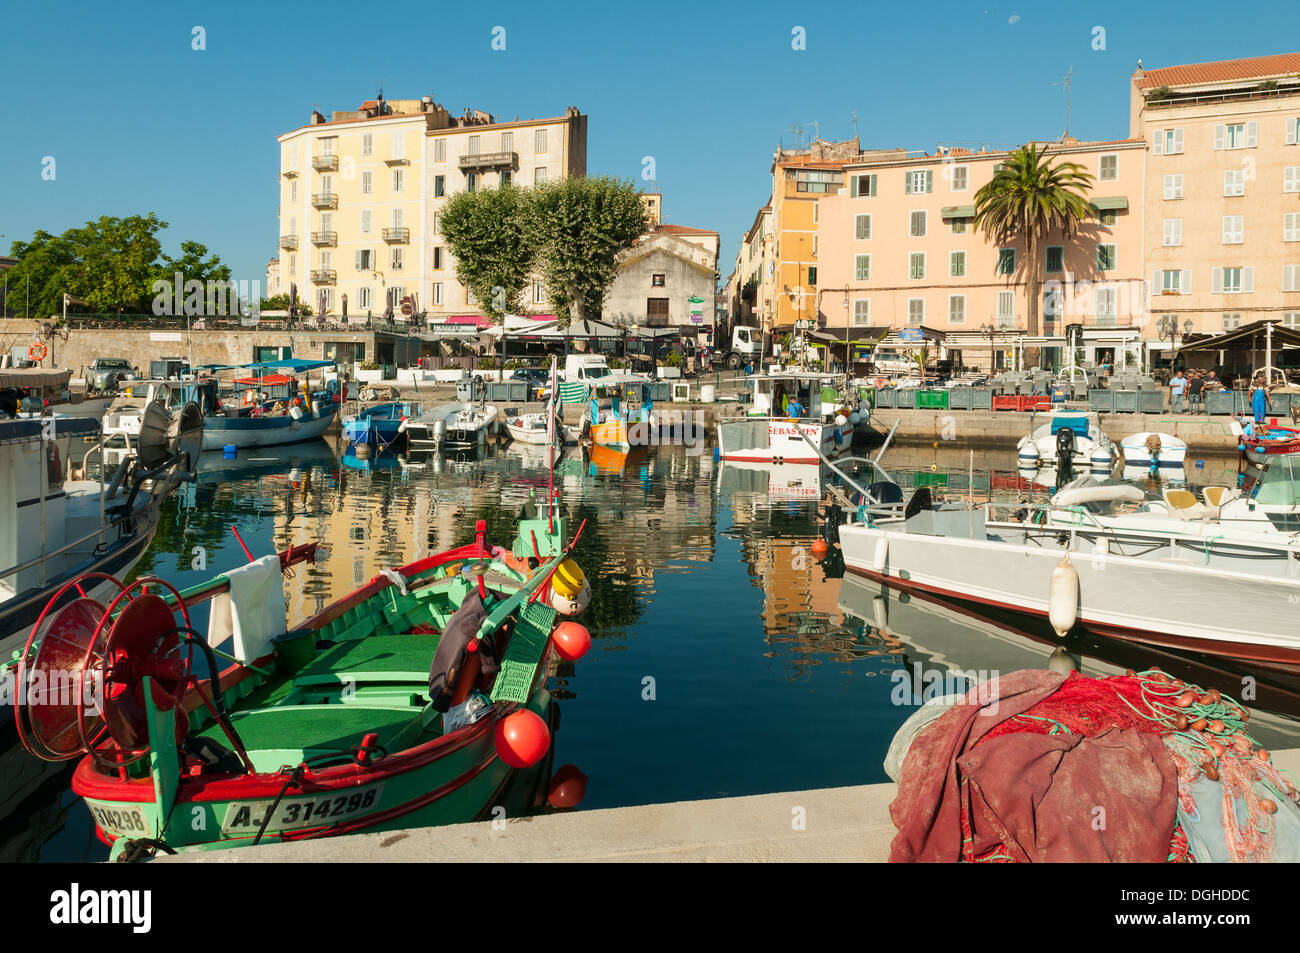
[726,660]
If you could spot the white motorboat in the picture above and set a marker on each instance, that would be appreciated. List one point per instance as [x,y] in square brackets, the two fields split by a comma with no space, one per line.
[533,428]
[768,434]
[1074,431]
[458,424]
[1150,448]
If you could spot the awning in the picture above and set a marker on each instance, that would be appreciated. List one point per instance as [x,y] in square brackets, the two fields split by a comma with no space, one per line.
[477,320]
[33,377]
[1254,334]
[957,211]
[293,367]
[1110,203]
[852,335]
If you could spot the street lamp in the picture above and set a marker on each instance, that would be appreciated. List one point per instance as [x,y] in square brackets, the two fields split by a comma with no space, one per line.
[991,331]
[1168,327]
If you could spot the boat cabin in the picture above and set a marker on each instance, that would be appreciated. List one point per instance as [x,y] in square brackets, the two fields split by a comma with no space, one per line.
[775,393]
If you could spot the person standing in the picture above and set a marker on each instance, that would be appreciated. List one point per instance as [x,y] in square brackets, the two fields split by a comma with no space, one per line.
[1176,388]
[1195,393]
[1259,401]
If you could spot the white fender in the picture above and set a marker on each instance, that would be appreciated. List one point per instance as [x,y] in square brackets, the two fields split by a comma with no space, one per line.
[881,554]
[566,606]
[1063,597]
[880,610]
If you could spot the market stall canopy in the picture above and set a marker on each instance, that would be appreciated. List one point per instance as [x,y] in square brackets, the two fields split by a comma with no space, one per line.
[1254,334]
[33,377]
[291,366]
[855,335]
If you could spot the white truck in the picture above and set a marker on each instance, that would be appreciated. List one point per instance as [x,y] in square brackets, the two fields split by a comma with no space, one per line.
[746,346]
[585,367]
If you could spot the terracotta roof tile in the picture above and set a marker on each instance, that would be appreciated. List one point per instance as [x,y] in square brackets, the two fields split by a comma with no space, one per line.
[684,230]
[1223,71]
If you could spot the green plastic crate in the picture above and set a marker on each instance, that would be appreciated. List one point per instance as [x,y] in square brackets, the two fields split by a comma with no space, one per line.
[523,653]
[931,400]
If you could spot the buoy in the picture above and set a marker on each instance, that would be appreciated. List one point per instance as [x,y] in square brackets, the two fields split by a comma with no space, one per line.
[567,789]
[1028,452]
[855,418]
[571,605]
[522,739]
[1101,457]
[572,641]
[1063,597]
[819,548]
[840,420]
[229,451]
[568,579]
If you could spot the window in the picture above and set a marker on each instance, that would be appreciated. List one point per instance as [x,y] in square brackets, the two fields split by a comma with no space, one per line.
[397,218]
[437,258]
[1172,281]
[1234,182]
[293,191]
[958,226]
[437,292]
[916,265]
[539,293]
[1055,258]
[1236,280]
[1106,298]
[1290,278]
[399,179]
[1006,309]
[1053,303]
[1232,321]
[656,281]
[917,225]
[1109,168]
[1291,178]
[398,257]
[471,182]
[862,227]
[1173,231]
[1106,257]
[862,186]
[328,145]
[399,145]
[915,310]
[1291,227]
[365,221]
[365,298]
[1240,135]
[957,264]
[1292,131]
[1108,216]
[293,264]
[1167,142]
[657,313]
[862,311]
[506,176]
[919,182]
[959,178]
[1173,186]
[367,149]
[367,183]
[539,175]
[814,181]
[440,150]
[1006,261]
[439,186]
[326,261]
[507,142]
[812,273]
[364,259]
[861,267]
[956,309]
[1234,229]
[471,146]
[1291,319]
[539,142]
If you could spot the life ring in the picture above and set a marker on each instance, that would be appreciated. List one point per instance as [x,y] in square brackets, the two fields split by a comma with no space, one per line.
[36,351]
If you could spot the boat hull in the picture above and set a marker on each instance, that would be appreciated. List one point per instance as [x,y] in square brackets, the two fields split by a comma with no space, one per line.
[1172,453]
[773,440]
[221,432]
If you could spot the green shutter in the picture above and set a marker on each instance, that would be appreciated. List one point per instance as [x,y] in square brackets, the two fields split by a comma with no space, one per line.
[929,180]
[853,186]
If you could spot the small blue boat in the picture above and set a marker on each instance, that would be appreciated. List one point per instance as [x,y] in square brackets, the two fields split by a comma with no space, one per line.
[380,425]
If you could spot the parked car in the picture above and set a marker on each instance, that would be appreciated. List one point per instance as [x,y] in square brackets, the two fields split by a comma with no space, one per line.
[538,378]
[108,372]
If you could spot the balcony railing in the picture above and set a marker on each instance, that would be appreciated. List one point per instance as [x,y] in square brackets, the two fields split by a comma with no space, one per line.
[325,200]
[323,276]
[491,160]
[289,242]
[399,234]
[328,163]
[324,238]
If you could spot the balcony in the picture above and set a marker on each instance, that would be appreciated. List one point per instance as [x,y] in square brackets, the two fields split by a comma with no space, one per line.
[490,160]
[397,160]
[323,277]
[325,200]
[289,242]
[400,234]
[324,238]
[329,163]
[290,173]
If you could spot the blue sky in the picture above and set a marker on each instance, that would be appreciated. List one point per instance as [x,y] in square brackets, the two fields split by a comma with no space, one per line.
[137,121]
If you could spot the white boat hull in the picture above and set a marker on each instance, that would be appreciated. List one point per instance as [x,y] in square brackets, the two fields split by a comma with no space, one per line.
[1173,451]
[775,441]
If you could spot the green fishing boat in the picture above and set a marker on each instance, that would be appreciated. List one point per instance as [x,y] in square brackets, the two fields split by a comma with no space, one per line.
[411,702]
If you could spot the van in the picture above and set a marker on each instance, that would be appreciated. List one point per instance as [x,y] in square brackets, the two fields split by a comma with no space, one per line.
[585,367]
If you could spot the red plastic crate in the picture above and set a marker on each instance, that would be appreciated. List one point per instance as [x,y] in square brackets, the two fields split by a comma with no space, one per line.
[1006,402]
[1037,402]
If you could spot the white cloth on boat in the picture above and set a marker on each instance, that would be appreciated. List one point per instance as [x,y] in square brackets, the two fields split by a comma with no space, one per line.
[396,578]
[253,612]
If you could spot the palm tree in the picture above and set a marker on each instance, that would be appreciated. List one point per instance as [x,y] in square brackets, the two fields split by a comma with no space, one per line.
[1028,198]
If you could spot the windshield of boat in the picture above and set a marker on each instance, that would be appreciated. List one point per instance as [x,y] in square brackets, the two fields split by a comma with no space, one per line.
[1277,485]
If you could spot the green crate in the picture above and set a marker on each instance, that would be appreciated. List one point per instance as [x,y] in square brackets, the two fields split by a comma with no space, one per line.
[906,398]
[920,479]
[523,653]
[931,400]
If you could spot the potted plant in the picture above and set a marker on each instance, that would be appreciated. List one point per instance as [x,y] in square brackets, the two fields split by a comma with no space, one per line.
[368,372]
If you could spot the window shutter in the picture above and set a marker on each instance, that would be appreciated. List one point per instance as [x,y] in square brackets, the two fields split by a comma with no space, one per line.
[907,183]
[1217,281]
[1157,283]
[929,180]
[872,189]
[1248,279]
[1178,140]
[1252,134]
[1218,136]
[356,264]
[1291,125]
[853,186]
[1158,144]
[1185,283]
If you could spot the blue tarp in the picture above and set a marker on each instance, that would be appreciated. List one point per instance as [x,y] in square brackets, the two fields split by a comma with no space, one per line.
[1078,424]
[292,366]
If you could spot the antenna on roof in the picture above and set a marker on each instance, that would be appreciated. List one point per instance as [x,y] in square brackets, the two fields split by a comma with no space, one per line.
[1066,80]
[854,116]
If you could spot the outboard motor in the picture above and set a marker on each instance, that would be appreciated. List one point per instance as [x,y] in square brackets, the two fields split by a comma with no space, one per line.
[1064,453]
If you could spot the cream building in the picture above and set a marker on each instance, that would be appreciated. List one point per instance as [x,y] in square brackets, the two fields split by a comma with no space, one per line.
[1222,192]
[362,194]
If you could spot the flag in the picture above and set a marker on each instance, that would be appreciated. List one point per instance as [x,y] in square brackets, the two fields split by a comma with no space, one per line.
[573,392]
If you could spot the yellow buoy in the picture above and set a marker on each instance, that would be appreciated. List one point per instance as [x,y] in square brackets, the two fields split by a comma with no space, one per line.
[568,579]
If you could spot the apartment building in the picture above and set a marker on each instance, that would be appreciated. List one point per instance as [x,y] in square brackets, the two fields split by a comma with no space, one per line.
[362,194]
[751,279]
[1222,192]
[897,248]
[668,278]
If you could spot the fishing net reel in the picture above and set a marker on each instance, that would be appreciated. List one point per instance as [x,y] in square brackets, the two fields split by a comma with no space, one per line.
[81,674]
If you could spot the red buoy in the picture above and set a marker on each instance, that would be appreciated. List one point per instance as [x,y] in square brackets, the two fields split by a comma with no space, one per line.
[572,641]
[568,787]
[819,547]
[522,739]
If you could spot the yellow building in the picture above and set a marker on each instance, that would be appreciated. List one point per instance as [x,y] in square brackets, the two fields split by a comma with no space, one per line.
[362,193]
[1222,192]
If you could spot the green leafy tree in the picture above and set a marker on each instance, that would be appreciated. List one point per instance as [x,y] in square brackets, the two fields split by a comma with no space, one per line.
[487,232]
[280,302]
[1028,198]
[578,226]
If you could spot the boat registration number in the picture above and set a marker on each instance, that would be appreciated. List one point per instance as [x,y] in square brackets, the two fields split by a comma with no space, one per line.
[294,813]
[118,820]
